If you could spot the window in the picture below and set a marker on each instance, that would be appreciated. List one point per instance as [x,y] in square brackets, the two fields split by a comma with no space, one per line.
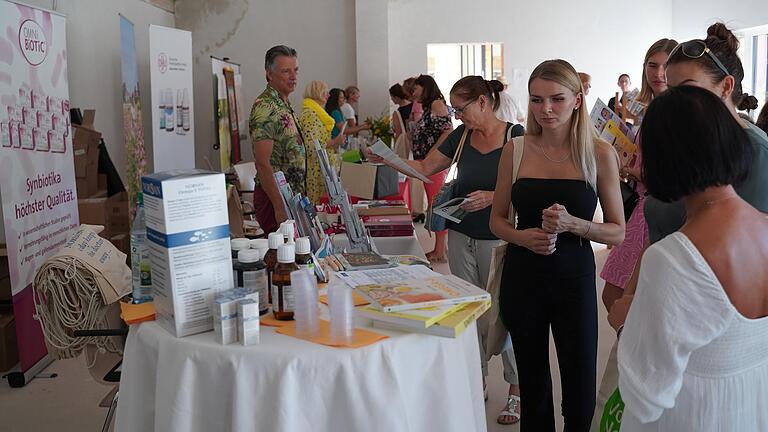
[753,52]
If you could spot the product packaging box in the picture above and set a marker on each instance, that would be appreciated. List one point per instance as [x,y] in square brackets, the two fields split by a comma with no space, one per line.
[248,322]
[188,237]
[369,181]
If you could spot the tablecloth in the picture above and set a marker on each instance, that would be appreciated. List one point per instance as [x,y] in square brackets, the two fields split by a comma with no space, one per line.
[409,382]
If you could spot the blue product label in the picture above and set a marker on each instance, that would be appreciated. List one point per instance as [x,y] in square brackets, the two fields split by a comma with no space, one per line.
[169,241]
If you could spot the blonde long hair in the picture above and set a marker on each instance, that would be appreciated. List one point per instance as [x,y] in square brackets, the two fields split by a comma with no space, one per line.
[583,134]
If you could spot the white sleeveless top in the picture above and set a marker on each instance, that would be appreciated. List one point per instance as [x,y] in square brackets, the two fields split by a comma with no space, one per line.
[688,360]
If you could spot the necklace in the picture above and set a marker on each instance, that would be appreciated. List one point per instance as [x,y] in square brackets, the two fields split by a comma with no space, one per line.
[567,155]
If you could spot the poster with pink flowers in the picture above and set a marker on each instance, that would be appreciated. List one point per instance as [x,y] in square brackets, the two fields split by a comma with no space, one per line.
[37,178]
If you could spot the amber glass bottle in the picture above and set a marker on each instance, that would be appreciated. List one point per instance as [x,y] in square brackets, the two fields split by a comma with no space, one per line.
[282,292]
[270,258]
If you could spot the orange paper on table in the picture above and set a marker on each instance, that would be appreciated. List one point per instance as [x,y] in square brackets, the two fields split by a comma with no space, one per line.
[357,299]
[137,313]
[270,321]
[360,338]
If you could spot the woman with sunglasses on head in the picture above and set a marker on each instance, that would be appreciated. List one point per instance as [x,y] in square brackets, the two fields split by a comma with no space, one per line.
[432,128]
[470,242]
[694,353]
[712,63]
[549,269]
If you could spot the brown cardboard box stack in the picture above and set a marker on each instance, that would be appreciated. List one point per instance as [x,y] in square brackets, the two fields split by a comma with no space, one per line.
[94,206]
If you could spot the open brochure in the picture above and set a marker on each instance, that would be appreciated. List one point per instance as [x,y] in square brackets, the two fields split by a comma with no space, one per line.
[451,209]
[380,149]
[380,276]
[612,129]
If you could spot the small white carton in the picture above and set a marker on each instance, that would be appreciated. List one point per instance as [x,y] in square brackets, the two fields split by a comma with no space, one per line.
[248,321]
[188,236]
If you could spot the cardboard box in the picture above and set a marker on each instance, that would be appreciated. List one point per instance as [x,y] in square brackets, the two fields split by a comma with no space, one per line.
[110,212]
[188,237]
[123,243]
[9,351]
[369,181]
[85,144]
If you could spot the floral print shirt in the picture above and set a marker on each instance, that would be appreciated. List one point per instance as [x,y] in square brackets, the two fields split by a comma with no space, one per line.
[427,131]
[273,119]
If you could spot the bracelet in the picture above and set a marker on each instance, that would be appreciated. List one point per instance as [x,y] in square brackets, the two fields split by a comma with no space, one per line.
[589,227]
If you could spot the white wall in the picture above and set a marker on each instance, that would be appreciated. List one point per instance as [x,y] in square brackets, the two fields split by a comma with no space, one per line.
[321,31]
[93,56]
[601,37]
[690,18]
[372,49]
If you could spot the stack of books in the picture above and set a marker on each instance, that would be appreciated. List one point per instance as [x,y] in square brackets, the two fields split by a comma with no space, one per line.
[388,225]
[441,305]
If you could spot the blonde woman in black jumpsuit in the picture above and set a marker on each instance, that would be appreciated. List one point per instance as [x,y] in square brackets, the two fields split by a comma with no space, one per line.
[549,272]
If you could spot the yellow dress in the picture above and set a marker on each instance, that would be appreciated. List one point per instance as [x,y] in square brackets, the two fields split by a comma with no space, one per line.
[312,129]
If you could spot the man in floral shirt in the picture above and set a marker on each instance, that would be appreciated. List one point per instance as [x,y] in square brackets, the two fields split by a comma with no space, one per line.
[277,140]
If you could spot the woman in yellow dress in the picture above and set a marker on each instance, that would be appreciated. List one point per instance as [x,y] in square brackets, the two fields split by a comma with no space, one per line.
[316,124]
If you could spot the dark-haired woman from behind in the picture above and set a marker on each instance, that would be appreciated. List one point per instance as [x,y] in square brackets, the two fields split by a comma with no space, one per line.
[693,355]
[762,119]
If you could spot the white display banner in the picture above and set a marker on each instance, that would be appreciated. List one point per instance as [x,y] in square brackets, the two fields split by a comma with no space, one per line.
[37,177]
[173,135]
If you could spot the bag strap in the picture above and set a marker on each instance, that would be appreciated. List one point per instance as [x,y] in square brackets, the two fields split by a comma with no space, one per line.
[460,148]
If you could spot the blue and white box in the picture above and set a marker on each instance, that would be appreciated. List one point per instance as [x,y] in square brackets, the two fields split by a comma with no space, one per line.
[188,232]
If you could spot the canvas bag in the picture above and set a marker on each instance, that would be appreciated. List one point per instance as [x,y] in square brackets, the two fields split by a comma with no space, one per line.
[497,333]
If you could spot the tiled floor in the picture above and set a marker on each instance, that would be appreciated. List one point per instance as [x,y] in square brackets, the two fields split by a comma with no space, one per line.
[70,401]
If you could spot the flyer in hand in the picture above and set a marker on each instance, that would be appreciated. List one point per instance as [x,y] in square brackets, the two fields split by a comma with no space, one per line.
[611,129]
[420,293]
[451,209]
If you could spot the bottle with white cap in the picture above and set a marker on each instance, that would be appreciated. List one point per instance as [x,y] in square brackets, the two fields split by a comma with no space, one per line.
[236,245]
[304,254]
[282,293]
[289,231]
[274,241]
[261,243]
[252,275]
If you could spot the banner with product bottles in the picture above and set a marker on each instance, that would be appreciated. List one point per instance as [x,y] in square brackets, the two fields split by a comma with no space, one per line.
[37,178]
[173,134]
[230,120]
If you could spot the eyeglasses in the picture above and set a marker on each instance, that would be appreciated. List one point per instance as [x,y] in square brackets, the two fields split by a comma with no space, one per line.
[457,111]
[696,49]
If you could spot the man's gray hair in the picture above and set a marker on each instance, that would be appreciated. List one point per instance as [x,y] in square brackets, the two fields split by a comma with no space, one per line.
[277,51]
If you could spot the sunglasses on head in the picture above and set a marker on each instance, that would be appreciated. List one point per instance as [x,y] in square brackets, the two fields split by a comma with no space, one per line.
[696,48]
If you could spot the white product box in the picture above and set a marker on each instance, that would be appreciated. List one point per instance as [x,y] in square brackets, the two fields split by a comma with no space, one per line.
[25,136]
[225,320]
[248,322]
[5,134]
[188,235]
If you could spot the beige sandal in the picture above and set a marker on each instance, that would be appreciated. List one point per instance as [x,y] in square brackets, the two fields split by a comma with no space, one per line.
[511,409]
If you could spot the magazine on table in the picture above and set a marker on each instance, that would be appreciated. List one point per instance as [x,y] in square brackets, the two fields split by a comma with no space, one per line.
[451,209]
[414,318]
[420,293]
[451,326]
[382,276]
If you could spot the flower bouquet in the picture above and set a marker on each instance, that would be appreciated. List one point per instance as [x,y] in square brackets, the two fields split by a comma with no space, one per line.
[381,127]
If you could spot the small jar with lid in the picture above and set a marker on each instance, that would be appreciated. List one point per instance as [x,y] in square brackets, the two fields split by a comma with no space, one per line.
[275,239]
[260,243]
[252,275]
[282,293]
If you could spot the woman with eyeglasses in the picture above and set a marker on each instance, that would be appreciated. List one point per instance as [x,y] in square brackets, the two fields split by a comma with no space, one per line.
[712,63]
[694,353]
[470,242]
[549,268]
[432,128]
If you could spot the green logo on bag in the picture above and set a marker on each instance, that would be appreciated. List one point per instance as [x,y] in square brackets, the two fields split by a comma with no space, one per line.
[614,408]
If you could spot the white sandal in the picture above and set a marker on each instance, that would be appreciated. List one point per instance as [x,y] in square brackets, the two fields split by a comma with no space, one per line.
[510,410]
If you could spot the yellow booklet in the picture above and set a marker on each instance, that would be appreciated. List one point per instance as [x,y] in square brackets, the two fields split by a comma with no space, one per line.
[414,318]
[451,326]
